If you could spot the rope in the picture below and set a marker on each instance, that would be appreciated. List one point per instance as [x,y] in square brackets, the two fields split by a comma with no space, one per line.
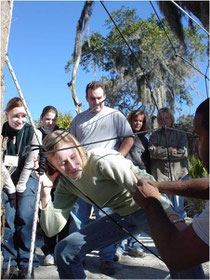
[36,147]
[42,163]
[34,226]
[206,85]
[169,161]
[151,92]
[170,41]
[162,25]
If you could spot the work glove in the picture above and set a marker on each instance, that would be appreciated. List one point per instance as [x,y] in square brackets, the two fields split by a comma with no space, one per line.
[12,199]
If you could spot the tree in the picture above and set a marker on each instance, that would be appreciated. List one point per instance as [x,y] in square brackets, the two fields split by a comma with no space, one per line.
[6,17]
[81,24]
[155,66]
[185,123]
[64,120]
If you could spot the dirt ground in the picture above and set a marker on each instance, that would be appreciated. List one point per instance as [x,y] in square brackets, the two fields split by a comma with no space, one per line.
[149,267]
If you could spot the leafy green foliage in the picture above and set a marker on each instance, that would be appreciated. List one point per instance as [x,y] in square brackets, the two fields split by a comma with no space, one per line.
[64,120]
[196,169]
[154,63]
[194,206]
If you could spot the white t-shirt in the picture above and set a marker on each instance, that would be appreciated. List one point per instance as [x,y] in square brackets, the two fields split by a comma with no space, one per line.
[201,224]
[105,125]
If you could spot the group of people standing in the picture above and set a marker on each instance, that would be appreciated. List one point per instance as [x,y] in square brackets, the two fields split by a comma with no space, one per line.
[105,170]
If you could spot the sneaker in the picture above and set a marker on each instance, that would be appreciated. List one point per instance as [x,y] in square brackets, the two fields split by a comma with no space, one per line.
[23,273]
[49,260]
[11,273]
[107,268]
[117,257]
[136,253]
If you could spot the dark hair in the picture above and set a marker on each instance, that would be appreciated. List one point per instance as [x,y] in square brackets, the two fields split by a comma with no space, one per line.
[136,113]
[93,85]
[48,109]
[13,103]
[203,110]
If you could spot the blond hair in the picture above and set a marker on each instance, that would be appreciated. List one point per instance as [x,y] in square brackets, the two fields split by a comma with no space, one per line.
[54,141]
[165,110]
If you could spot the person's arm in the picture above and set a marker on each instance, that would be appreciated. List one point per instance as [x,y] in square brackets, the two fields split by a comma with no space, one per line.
[126,145]
[54,215]
[156,150]
[159,150]
[29,163]
[197,188]
[176,247]
[47,185]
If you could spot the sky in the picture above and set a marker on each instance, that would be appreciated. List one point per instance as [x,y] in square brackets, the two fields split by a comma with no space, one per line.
[41,41]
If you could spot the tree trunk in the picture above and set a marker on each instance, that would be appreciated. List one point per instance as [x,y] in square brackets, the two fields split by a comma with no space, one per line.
[6,7]
[6,15]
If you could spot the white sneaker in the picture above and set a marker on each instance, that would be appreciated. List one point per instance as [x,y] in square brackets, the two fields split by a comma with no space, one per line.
[49,260]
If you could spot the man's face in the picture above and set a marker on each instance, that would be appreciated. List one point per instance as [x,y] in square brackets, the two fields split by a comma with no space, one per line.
[94,98]
[203,138]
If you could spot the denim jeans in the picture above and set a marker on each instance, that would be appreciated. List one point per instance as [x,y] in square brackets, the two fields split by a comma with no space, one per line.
[97,235]
[177,201]
[18,227]
[81,215]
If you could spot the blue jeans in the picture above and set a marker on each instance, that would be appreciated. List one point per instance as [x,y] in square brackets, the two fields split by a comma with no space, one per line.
[177,201]
[81,215]
[18,227]
[97,235]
